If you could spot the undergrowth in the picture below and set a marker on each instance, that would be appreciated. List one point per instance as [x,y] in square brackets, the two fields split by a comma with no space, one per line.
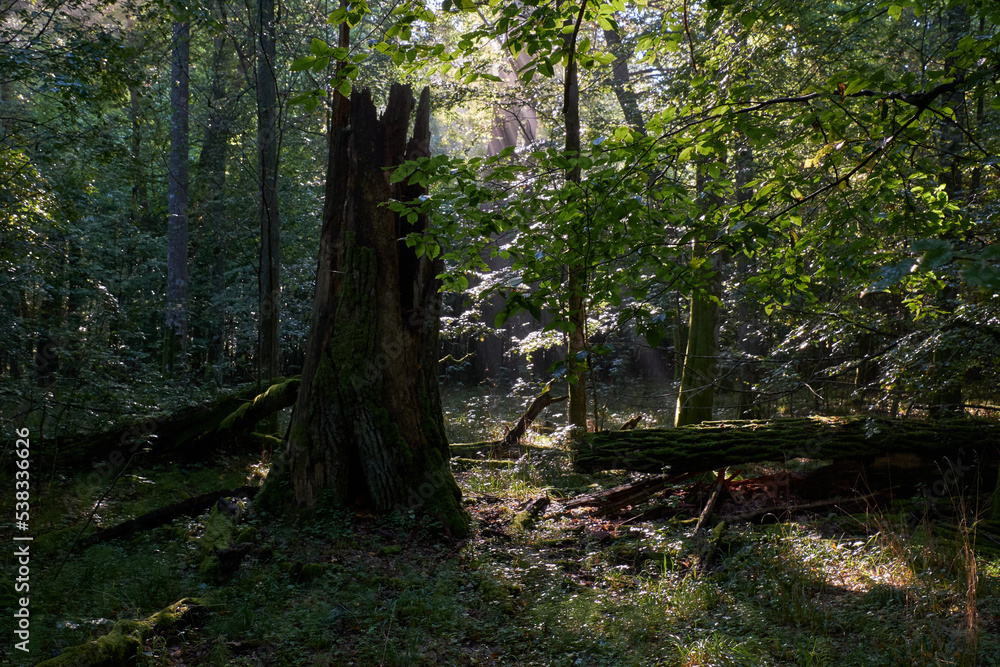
[878,588]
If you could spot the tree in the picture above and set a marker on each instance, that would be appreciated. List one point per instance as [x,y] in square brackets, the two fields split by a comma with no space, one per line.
[267,137]
[177,197]
[368,429]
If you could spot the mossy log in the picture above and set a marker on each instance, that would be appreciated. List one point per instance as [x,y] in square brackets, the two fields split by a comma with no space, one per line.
[715,445]
[124,643]
[188,433]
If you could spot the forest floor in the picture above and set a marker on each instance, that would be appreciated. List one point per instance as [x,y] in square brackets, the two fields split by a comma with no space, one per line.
[882,587]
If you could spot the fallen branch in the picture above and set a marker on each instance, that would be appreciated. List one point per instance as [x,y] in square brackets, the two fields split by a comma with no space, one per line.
[713,499]
[620,497]
[779,510]
[542,401]
[631,423]
[190,507]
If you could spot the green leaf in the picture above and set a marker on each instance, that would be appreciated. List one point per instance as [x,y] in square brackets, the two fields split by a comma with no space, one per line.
[303,63]
[895,11]
[318,47]
[982,275]
[936,252]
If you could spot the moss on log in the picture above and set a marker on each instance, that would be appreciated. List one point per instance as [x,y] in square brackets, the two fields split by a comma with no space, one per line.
[188,433]
[714,445]
[123,644]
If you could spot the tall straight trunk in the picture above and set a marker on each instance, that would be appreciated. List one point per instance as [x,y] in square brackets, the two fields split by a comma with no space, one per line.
[177,200]
[621,82]
[576,271]
[696,397]
[211,193]
[368,428]
[267,137]
[697,393]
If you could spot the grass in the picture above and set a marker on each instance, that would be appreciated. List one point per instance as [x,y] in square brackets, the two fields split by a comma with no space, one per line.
[830,589]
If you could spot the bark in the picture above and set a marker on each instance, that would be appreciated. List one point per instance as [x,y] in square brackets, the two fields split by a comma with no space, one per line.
[211,192]
[576,282]
[621,82]
[715,445]
[267,138]
[368,428]
[177,197]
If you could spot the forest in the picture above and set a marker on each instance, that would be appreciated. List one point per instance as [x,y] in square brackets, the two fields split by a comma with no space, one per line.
[467,332]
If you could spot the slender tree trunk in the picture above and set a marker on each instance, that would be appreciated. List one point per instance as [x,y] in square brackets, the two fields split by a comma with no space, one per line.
[696,397]
[267,133]
[211,193]
[368,429]
[177,196]
[576,271]
[697,393]
[946,399]
[621,82]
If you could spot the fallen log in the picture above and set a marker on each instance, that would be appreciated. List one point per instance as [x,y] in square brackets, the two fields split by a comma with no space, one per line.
[125,641]
[158,517]
[186,433]
[707,446]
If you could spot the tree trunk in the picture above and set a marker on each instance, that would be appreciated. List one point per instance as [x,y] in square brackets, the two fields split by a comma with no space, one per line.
[714,445]
[267,137]
[177,197]
[697,393]
[621,82]
[368,429]
[211,194]
[576,283]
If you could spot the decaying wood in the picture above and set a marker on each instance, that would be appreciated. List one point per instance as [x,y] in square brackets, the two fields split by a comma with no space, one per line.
[191,433]
[713,499]
[536,507]
[781,510]
[190,507]
[616,499]
[542,401]
[631,423]
[489,449]
[713,445]
[120,647]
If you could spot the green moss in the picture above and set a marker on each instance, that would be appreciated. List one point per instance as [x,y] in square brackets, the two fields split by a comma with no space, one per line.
[121,646]
[522,522]
[247,534]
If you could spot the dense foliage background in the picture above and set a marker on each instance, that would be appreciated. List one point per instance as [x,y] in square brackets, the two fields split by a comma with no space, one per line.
[821,177]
